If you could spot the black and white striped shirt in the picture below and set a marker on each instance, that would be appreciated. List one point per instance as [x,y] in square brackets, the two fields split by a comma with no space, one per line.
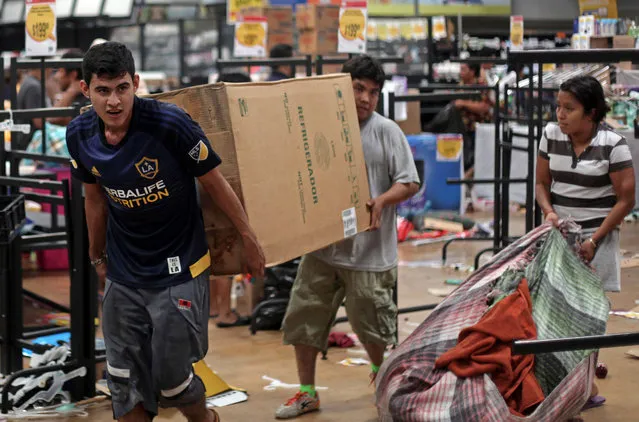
[581,187]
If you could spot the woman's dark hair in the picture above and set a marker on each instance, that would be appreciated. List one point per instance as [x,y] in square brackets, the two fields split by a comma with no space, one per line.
[111,59]
[476,68]
[588,91]
[233,77]
[365,67]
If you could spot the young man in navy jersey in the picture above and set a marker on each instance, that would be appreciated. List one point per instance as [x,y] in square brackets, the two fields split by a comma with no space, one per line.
[138,159]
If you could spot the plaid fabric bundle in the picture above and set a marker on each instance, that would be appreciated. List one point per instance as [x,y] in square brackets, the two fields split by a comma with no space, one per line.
[568,300]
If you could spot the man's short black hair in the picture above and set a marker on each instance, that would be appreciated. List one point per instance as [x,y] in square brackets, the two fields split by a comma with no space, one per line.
[281,51]
[365,67]
[233,77]
[590,94]
[111,59]
[74,53]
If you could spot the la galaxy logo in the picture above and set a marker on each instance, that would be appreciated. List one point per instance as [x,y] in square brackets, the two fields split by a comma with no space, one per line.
[200,152]
[148,167]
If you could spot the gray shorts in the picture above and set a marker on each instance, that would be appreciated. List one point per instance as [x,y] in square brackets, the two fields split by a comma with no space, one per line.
[607,260]
[152,338]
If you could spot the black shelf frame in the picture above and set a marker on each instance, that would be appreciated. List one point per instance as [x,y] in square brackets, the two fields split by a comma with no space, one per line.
[83,294]
[306,62]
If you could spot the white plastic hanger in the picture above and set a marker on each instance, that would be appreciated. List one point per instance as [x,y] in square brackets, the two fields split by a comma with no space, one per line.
[12,127]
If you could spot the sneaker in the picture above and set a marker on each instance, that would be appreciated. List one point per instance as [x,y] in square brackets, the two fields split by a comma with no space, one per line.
[298,405]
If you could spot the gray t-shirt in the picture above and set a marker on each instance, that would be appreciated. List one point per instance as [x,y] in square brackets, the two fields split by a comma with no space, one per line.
[29,97]
[389,160]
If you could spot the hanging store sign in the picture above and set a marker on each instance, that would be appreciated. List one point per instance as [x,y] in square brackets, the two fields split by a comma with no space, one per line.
[40,28]
[250,37]
[439,27]
[516,32]
[233,8]
[601,8]
[353,17]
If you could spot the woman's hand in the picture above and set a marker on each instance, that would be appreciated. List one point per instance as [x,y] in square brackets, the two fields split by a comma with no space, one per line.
[553,218]
[587,250]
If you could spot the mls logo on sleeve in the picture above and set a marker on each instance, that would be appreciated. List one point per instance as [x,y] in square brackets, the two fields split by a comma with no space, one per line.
[148,167]
[200,152]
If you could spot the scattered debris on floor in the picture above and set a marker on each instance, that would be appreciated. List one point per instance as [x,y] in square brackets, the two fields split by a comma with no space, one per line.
[454,281]
[275,384]
[66,410]
[354,362]
[441,292]
[457,267]
[632,217]
[626,314]
[630,262]
[342,340]
[435,227]
[633,353]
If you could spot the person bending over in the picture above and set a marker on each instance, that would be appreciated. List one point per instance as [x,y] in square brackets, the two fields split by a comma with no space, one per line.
[585,171]
[138,159]
[362,268]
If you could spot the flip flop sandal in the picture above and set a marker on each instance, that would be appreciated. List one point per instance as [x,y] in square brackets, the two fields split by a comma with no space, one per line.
[239,322]
[594,401]
[214,316]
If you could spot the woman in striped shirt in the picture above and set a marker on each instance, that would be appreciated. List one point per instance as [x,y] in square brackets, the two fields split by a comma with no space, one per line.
[585,172]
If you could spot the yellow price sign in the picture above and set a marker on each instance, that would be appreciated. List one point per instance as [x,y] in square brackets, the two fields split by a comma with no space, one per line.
[352,24]
[234,7]
[419,30]
[250,34]
[406,29]
[394,31]
[382,31]
[40,23]
[449,148]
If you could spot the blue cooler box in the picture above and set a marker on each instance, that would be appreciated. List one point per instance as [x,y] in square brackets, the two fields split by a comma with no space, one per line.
[438,157]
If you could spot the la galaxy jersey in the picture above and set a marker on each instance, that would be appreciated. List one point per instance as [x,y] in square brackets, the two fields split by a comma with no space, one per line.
[155,231]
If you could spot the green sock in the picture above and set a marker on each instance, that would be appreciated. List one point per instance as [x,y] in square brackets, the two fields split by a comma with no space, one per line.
[310,389]
[375,368]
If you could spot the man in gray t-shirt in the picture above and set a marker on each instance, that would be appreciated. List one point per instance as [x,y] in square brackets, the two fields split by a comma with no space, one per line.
[29,97]
[361,269]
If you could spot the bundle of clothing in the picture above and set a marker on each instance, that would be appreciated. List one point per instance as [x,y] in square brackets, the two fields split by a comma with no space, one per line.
[458,364]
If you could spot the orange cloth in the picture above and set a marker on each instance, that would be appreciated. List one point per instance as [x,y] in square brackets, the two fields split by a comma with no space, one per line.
[485,348]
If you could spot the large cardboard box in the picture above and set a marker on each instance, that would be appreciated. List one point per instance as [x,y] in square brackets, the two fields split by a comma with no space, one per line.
[279,21]
[278,18]
[292,152]
[413,123]
[278,37]
[312,41]
[623,41]
[320,17]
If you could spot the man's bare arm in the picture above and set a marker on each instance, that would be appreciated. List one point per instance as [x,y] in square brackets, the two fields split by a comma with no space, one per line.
[96,214]
[225,198]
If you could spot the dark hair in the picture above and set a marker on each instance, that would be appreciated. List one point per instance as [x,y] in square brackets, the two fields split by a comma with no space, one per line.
[475,68]
[281,51]
[233,77]
[365,67]
[75,53]
[111,59]
[589,92]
